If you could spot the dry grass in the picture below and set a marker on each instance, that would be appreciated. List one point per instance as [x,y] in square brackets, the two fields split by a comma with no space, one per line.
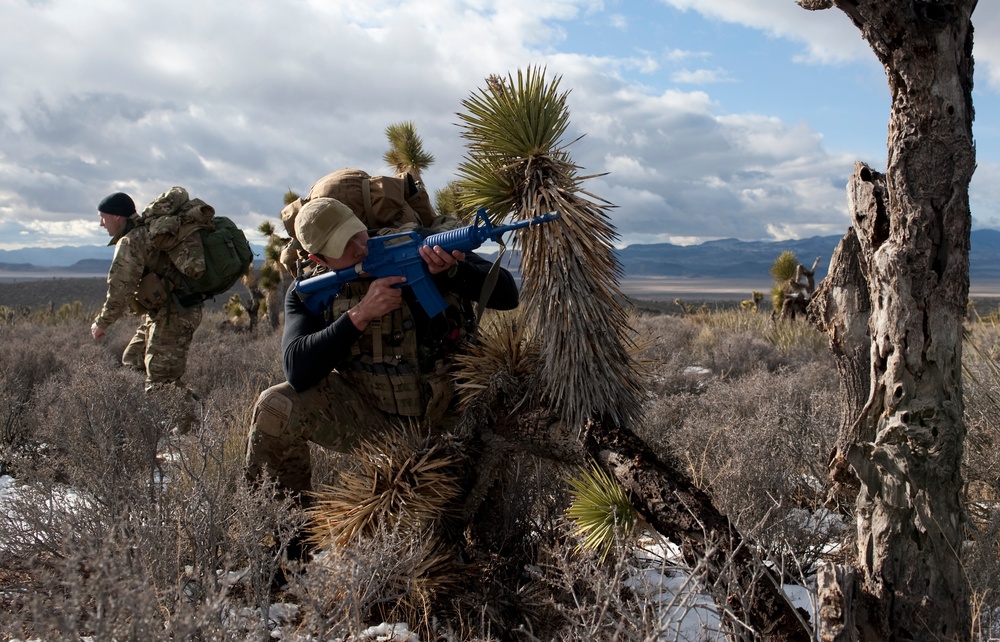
[120,531]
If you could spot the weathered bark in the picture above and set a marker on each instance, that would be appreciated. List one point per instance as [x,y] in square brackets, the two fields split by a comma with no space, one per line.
[836,604]
[841,307]
[906,447]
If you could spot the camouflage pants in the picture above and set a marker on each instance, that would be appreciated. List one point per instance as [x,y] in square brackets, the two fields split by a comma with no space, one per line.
[331,414]
[160,345]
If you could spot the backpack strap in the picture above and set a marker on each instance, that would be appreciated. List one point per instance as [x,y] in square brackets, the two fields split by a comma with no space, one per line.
[366,196]
[489,284]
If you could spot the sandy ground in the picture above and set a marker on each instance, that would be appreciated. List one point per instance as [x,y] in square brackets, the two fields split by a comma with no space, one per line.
[667,288]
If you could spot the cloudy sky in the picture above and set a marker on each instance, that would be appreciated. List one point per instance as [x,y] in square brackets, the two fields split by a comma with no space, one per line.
[712,118]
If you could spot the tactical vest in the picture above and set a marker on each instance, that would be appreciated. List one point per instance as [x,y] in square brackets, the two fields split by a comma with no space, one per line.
[404,376]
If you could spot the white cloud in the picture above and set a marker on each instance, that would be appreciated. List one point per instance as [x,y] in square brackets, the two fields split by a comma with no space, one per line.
[239,102]
[828,38]
[701,76]
[986,50]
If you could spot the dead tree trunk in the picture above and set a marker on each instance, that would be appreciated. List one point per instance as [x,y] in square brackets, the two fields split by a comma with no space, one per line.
[841,308]
[670,502]
[905,448]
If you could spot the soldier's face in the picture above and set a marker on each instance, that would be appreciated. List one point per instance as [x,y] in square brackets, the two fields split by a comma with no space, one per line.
[113,224]
[354,253]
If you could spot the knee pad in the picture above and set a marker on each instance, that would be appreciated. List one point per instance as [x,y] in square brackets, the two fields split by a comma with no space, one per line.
[272,413]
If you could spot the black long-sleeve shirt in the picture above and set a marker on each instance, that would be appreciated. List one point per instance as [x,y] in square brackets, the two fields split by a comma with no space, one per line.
[311,349]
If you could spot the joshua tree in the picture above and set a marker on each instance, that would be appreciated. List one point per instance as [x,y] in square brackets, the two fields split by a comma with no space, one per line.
[554,379]
[894,306]
[794,285]
[271,278]
[565,363]
[448,200]
[269,282]
[262,284]
[406,153]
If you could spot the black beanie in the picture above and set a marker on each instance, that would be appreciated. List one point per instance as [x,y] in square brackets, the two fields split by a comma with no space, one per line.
[119,204]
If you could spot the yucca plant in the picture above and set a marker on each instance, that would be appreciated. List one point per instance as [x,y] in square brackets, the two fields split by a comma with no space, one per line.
[600,511]
[401,490]
[406,150]
[518,166]
[447,200]
[782,271]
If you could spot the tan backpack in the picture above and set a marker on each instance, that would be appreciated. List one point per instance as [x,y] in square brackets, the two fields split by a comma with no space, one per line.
[379,201]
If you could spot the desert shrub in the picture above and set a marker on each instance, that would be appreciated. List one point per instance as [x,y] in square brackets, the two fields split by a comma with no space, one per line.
[118,529]
[123,531]
[670,358]
[180,566]
[233,360]
[582,598]
[772,343]
[727,343]
[733,355]
[29,356]
[981,365]
[759,445]
[70,312]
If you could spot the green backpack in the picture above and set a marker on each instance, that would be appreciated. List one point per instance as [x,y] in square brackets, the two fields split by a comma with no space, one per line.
[228,257]
[209,251]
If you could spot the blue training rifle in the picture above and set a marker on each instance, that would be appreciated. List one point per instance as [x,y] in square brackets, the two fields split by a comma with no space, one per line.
[399,255]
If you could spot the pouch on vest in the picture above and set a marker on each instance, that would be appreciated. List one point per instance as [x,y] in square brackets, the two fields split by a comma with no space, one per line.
[150,295]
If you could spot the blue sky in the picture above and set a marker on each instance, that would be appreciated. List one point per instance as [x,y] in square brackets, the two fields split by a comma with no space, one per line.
[712,118]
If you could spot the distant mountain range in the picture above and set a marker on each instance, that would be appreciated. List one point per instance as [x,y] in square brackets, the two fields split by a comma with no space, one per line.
[725,259]
[733,259]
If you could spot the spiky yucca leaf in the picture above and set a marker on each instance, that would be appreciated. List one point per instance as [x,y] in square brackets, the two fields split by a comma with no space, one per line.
[270,276]
[516,163]
[778,296]
[601,512]
[510,126]
[447,200]
[401,477]
[504,356]
[234,307]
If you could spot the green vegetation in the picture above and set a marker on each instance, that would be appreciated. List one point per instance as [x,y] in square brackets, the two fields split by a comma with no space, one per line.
[783,272]
[406,152]
[601,512]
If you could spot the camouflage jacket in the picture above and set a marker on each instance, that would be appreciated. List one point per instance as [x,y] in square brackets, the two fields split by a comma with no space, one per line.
[135,256]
